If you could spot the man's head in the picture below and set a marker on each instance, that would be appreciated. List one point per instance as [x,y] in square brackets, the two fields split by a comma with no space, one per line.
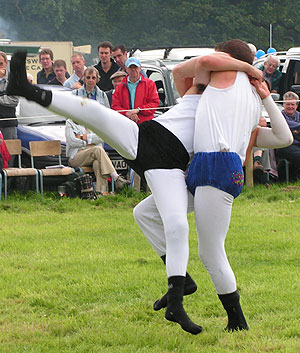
[91,77]
[236,48]
[77,61]
[271,64]
[104,51]
[290,103]
[133,67]
[46,58]
[117,77]
[119,54]
[3,60]
[60,69]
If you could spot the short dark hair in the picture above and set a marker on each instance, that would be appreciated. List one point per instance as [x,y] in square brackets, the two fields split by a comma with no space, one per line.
[236,48]
[59,62]
[105,45]
[46,51]
[121,47]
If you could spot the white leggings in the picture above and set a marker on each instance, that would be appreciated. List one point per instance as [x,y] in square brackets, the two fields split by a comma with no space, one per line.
[163,218]
[212,214]
[114,128]
[168,186]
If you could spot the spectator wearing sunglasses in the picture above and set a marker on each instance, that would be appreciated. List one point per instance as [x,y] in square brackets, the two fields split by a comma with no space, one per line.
[90,89]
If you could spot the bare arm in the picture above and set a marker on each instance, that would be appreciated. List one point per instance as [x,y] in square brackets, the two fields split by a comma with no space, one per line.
[223,62]
[201,67]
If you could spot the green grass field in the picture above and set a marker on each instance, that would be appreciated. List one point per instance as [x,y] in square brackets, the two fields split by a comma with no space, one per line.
[79,276]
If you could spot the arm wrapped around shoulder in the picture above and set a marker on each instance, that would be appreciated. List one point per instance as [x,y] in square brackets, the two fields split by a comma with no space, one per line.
[279,135]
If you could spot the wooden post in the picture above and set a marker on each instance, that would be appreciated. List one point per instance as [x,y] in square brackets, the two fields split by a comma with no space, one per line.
[249,171]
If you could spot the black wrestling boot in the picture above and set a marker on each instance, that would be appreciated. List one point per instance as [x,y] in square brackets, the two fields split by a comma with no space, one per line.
[190,287]
[18,84]
[175,311]
[236,319]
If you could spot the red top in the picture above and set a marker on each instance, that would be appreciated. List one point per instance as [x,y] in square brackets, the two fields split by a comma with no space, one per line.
[4,151]
[146,96]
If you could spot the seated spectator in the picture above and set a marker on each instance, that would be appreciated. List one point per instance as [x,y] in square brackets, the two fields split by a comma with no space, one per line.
[90,89]
[84,148]
[292,116]
[261,162]
[75,80]
[271,72]
[60,70]
[136,94]
[116,78]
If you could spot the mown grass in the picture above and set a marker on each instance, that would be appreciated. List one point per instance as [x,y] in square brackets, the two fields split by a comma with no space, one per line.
[79,276]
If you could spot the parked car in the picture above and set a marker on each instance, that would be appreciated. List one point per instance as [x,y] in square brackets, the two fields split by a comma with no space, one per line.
[158,64]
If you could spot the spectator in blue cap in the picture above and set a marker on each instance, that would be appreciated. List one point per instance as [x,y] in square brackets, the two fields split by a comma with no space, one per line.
[136,96]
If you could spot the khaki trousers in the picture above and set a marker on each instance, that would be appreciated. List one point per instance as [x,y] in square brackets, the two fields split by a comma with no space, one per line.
[96,157]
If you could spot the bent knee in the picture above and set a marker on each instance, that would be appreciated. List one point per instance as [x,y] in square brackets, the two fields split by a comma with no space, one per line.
[138,212]
[176,228]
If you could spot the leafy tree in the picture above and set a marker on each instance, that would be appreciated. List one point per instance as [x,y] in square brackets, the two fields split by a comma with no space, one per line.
[148,23]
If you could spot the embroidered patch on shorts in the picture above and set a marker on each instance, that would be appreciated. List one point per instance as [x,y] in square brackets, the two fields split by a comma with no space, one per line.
[237,178]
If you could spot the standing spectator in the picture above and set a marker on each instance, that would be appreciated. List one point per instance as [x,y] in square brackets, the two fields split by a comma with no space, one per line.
[116,78]
[292,117]
[271,73]
[136,94]
[8,120]
[106,66]
[46,60]
[119,54]
[60,70]
[90,89]
[74,81]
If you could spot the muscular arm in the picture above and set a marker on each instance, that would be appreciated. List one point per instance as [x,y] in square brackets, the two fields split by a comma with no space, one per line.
[201,67]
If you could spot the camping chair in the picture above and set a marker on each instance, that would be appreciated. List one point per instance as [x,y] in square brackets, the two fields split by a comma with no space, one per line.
[15,149]
[48,148]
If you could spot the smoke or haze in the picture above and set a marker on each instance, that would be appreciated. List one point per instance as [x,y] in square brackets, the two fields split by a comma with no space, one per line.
[7,30]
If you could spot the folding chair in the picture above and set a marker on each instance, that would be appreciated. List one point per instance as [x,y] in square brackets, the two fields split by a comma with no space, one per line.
[15,149]
[48,148]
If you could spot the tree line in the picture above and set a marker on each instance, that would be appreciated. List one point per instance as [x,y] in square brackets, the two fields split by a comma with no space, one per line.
[152,23]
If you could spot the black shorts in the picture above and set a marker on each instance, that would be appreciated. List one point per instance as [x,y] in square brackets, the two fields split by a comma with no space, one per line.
[158,148]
